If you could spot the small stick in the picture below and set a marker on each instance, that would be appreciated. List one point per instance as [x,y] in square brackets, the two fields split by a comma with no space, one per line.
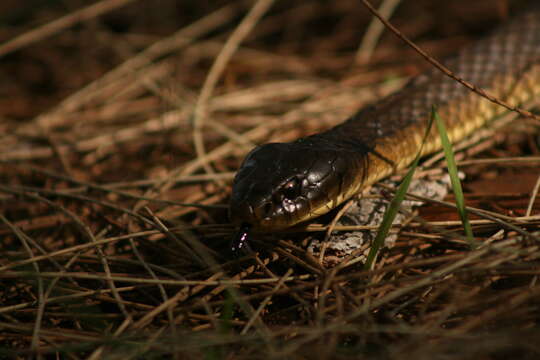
[533,197]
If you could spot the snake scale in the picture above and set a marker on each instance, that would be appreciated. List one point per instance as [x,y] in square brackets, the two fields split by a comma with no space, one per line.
[282,184]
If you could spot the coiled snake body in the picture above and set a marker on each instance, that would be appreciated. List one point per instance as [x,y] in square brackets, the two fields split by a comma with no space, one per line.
[282,184]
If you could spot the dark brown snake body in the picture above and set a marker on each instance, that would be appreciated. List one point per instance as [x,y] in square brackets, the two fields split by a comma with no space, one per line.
[282,184]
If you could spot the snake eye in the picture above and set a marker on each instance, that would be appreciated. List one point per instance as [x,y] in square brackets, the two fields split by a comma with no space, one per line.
[291,190]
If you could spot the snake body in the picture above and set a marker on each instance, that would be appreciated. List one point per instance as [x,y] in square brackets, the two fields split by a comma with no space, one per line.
[282,184]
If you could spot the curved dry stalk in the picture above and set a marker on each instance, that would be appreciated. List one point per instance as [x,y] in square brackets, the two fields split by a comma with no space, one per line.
[40,33]
[232,43]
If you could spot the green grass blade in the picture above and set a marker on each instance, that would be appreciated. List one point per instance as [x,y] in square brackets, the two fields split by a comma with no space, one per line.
[453,172]
[227,313]
[393,207]
[390,215]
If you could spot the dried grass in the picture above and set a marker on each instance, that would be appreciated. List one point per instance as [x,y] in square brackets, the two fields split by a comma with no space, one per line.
[114,229]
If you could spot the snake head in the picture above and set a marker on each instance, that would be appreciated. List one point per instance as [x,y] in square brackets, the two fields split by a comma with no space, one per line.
[282,184]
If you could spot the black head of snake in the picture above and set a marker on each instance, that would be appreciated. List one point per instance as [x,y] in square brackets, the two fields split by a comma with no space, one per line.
[283,184]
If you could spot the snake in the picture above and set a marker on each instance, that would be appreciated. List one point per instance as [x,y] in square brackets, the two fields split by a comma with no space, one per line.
[279,185]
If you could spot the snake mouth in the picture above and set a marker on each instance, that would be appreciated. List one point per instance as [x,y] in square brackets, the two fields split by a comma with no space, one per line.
[240,240]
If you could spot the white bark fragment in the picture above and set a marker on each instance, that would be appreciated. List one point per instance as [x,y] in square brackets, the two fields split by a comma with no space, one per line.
[369,211]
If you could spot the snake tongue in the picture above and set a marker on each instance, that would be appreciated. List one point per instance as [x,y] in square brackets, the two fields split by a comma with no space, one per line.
[241,240]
